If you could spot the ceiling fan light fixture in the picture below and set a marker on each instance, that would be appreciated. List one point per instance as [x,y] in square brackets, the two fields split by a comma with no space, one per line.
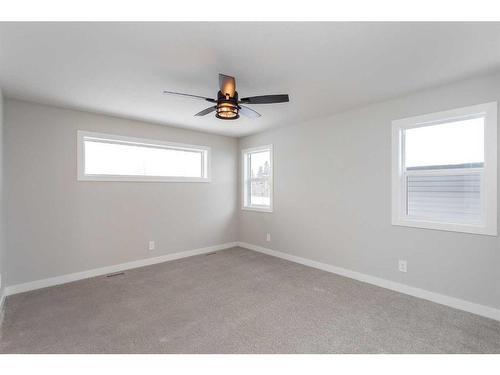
[227,111]
[227,106]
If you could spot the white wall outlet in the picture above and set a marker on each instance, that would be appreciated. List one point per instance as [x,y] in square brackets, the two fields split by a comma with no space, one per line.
[402,266]
[268,237]
[152,245]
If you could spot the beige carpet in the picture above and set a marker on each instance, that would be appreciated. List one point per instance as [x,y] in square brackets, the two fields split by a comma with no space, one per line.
[236,301]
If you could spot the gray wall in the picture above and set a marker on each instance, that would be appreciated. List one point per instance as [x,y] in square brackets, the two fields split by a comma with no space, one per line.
[333,200]
[57,225]
[2,245]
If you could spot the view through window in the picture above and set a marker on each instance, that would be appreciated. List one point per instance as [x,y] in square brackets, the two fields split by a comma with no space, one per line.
[443,167]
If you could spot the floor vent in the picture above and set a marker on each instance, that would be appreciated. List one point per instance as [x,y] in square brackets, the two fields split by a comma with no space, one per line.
[210,254]
[116,274]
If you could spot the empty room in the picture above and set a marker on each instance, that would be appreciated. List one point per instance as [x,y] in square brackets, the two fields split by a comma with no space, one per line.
[249,187]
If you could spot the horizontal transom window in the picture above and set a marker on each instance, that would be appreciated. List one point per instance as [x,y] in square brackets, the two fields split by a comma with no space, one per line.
[104,157]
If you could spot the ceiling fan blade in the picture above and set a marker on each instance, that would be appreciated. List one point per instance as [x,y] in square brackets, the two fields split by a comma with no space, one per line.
[265,99]
[206,111]
[227,85]
[190,96]
[248,112]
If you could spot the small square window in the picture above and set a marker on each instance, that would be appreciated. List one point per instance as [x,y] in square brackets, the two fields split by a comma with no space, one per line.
[258,178]
[444,170]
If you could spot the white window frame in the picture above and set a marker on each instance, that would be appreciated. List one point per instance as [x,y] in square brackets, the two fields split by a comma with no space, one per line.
[245,179]
[488,225]
[118,139]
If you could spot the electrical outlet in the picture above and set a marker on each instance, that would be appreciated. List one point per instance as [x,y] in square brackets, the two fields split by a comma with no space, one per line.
[152,245]
[402,266]
[268,237]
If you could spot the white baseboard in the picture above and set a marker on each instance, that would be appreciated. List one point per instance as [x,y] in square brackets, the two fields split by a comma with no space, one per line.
[2,300]
[442,299]
[2,304]
[38,284]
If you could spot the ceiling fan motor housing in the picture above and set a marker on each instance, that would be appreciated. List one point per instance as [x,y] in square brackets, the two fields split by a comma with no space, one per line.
[227,106]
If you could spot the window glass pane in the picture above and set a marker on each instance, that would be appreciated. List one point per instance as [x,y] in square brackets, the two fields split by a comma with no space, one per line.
[458,144]
[260,192]
[260,172]
[445,198]
[259,163]
[138,160]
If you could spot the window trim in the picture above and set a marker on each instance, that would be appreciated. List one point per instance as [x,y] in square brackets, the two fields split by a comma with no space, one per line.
[257,208]
[119,139]
[488,172]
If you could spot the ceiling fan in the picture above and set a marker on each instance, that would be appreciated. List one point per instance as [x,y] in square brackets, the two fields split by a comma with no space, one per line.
[228,106]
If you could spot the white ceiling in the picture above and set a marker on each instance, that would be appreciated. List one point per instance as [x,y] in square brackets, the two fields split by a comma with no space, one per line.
[122,68]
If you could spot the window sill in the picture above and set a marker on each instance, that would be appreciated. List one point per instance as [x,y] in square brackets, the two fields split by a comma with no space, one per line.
[257,209]
[116,178]
[450,227]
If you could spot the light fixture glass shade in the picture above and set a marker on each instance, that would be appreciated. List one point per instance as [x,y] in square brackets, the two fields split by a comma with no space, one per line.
[227,111]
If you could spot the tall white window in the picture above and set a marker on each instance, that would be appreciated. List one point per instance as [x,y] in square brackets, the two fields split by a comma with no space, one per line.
[257,174]
[444,170]
[105,157]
